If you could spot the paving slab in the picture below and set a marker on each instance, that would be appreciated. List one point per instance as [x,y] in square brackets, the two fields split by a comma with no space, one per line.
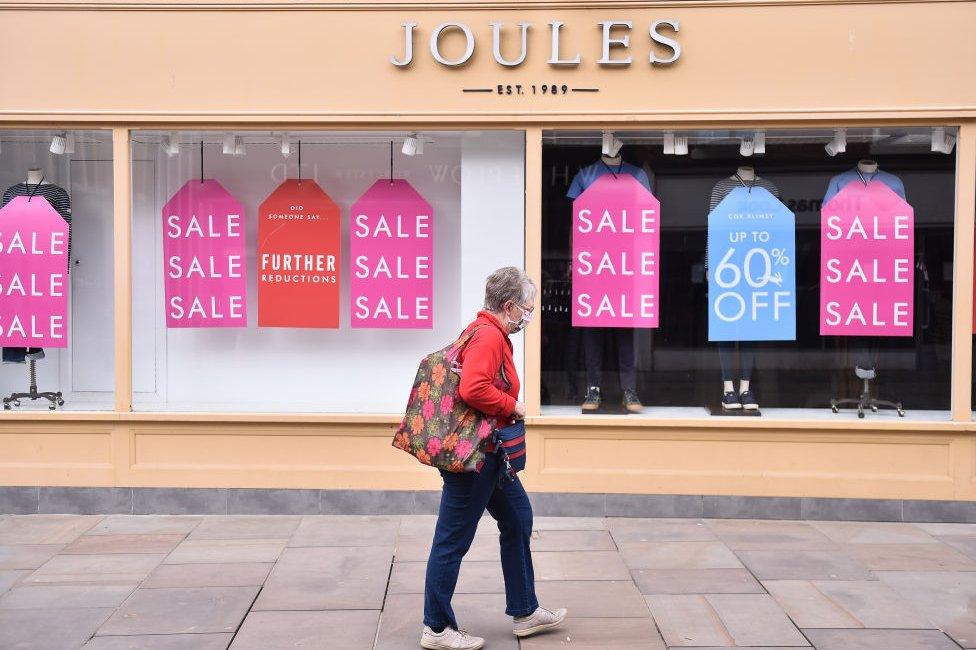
[696,581]
[416,548]
[678,555]
[318,578]
[105,544]
[961,530]
[196,610]
[27,556]
[600,633]
[340,630]
[231,574]
[867,532]
[688,620]
[965,545]
[245,527]
[423,525]
[579,565]
[747,535]
[218,551]
[593,598]
[880,640]
[480,614]
[145,525]
[944,598]
[49,629]
[568,523]
[9,578]
[65,596]
[572,540]
[802,565]
[120,568]
[161,642]
[346,531]
[874,604]
[475,578]
[44,529]
[909,557]
[808,606]
[755,620]
[660,530]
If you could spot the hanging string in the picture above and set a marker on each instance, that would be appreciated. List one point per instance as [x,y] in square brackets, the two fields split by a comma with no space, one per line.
[391,162]
[299,161]
[201,161]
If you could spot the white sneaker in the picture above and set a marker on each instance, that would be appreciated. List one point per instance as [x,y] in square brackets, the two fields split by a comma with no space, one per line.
[450,639]
[540,620]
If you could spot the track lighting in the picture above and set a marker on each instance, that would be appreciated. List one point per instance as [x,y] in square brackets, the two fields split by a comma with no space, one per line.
[838,144]
[285,145]
[171,144]
[69,143]
[747,146]
[681,146]
[234,145]
[611,144]
[942,142]
[413,145]
[58,144]
[668,144]
[759,142]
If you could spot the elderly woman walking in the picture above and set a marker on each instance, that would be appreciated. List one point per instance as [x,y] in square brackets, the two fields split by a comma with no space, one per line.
[509,305]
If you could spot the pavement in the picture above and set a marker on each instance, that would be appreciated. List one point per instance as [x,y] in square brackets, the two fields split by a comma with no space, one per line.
[269,582]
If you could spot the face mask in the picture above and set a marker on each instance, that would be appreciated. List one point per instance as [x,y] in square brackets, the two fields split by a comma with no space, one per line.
[522,322]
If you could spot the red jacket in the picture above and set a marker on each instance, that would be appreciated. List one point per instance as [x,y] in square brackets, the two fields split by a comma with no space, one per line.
[488,350]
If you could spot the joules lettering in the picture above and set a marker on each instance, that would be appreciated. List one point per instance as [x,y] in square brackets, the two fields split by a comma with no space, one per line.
[613,45]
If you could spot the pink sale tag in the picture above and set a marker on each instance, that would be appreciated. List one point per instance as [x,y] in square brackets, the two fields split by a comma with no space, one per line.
[33,274]
[867,263]
[616,252]
[204,261]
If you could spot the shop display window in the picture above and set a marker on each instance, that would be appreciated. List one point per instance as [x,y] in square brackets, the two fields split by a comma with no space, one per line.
[748,273]
[310,271]
[56,270]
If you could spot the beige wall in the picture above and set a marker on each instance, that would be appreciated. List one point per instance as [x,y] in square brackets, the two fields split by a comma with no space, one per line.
[128,64]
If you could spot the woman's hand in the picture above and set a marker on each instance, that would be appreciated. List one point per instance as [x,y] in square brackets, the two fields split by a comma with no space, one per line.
[519,413]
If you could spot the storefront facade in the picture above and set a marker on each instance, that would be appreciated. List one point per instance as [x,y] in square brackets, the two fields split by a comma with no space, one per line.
[510,101]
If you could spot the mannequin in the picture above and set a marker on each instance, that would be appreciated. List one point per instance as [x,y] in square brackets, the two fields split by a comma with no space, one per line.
[866,171]
[733,400]
[867,166]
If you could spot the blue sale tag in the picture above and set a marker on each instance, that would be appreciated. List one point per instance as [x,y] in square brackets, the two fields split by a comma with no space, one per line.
[751,271]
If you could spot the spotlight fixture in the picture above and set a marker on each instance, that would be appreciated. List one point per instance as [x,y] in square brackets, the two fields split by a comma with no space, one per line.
[413,145]
[747,147]
[759,142]
[681,146]
[234,145]
[285,145]
[58,144]
[838,144]
[611,144]
[669,142]
[942,142]
[171,144]
[69,143]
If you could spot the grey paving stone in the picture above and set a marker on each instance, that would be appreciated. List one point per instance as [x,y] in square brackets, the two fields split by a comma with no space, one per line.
[27,556]
[234,574]
[874,604]
[218,551]
[245,527]
[9,578]
[44,529]
[909,557]
[942,597]
[566,523]
[880,640]
[808,606]
[327,578]
[475,578]
[367,502]
[593,598]
[579,565]
[84,500]
[802,565]
[265,501]
[197,610]
[755,620]
[426,502]
[116,569]
[161,642]
[654,505]
[686,620]
[179,501]
[696,581]
[850,509]
[598,633]
[416,548]
[963,512]
[860,532]
[679,555]
[965,545]
[749,535]
[49,629]
[326,630]
[423,525]
[481,614]
[145,525]
[346,531]
[951,530]
[735,507]
[65,596]
[660,530]
[105,544]
[572,540]
[556,504]
[18,500]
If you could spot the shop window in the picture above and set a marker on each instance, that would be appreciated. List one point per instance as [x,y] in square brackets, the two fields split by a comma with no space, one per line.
[690,270]
[56,270]
[273,286]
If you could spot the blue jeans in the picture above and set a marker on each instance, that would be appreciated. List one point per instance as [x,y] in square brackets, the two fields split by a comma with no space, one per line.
[464,499]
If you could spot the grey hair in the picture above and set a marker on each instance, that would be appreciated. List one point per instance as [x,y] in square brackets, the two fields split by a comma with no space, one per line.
[508,283]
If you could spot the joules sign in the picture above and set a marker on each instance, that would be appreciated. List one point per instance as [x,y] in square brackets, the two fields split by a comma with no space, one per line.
[614,44]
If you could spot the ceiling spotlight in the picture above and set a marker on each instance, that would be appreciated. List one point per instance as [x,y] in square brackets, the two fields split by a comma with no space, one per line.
[942,142]
[58,144]
[233,145]
[747,146]
[681,146]
[668,144]
[285,145]
[838,144]
[759,142]
[171,144]
[611,145]
[413,145]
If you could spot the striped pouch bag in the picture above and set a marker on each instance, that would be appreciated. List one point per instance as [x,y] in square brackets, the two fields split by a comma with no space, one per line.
[510,442]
